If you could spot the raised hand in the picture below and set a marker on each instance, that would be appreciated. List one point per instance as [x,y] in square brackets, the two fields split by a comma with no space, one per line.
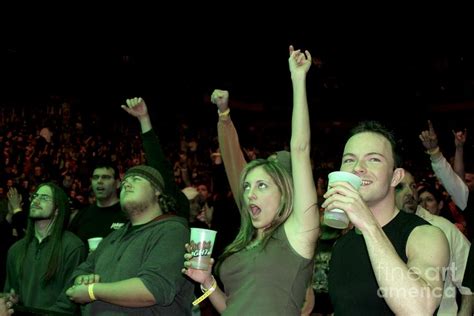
[14,200]
[428,137]
[299,62]
[136,107]
[221,99]
[460,138]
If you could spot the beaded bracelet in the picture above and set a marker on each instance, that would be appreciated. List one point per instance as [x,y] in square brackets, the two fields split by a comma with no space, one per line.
[206,292]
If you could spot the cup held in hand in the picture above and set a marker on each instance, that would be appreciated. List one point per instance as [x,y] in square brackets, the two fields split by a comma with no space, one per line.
[94,242]
[337,218]
[201,243]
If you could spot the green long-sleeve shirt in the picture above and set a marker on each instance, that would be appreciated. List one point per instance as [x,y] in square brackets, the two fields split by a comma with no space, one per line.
[32,291]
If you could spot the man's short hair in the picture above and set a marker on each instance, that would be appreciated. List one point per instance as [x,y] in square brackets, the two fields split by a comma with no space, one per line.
[378,128]
[107,164]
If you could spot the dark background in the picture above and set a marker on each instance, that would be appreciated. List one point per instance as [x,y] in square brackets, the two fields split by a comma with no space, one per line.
[385,67]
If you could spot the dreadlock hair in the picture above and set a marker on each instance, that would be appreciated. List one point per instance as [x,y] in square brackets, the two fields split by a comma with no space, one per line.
[167,203]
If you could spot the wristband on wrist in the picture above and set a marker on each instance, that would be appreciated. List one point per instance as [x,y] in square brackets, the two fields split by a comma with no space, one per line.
[90,290]
[17,210]
[225,113]
[433,151]
[206,292]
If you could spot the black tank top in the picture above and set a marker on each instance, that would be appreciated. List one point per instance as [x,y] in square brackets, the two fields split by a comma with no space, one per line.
[352,284]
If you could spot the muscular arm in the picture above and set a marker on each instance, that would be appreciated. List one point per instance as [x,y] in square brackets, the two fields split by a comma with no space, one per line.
[414,288]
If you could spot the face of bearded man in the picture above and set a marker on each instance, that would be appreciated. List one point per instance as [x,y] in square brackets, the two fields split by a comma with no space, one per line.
[136,194]
[42,205]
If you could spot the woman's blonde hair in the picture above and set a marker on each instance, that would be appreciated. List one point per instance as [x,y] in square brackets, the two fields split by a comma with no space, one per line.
[247,231]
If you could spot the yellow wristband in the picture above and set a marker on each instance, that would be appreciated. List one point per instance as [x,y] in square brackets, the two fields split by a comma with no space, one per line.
[203,289]
[17,210]
[225,113]
[208,292]
[90,289]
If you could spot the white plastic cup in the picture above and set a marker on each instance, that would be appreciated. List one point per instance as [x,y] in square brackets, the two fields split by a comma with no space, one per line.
[201,242]
[337,218]
[94,242]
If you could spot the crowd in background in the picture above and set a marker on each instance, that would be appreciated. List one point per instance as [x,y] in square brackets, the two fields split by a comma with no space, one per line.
[59,143]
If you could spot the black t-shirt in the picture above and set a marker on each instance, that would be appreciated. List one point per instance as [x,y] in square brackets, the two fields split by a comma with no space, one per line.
[94,221]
